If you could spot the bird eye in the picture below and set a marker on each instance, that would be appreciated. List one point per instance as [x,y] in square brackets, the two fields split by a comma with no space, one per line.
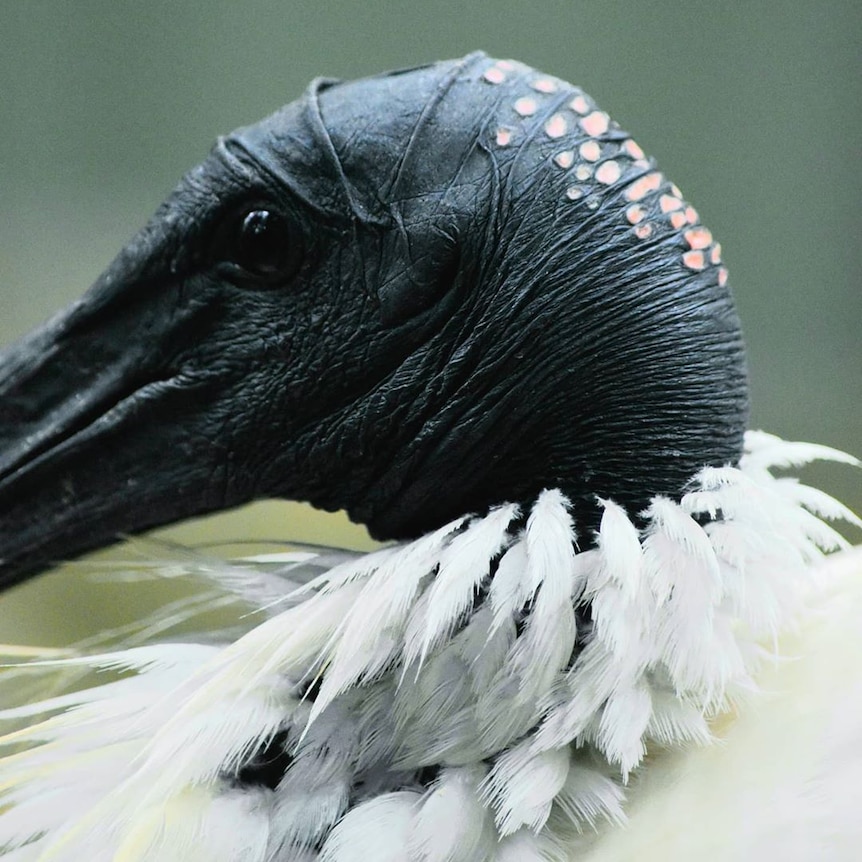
[263,244]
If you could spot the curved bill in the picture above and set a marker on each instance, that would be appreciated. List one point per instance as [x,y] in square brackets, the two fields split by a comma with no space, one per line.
[102,431]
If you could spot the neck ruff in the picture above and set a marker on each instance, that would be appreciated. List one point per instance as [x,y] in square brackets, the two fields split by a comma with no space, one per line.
[480,694]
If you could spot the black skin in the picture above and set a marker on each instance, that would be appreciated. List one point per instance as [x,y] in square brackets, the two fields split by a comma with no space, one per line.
[361,302]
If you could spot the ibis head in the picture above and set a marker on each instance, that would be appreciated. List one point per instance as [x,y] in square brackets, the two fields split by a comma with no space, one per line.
[410,296]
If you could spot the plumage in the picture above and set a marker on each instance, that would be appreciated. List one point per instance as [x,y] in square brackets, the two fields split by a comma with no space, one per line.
[438,315]
[121,760]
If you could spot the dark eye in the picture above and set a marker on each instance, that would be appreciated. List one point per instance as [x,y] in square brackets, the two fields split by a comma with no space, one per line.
[263,244]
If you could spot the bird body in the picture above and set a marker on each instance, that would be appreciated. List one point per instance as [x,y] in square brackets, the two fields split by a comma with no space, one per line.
[461,303]
[780,778]
[397,710]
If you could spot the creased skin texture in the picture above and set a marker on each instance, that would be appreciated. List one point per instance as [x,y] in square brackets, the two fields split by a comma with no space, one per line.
[485,289]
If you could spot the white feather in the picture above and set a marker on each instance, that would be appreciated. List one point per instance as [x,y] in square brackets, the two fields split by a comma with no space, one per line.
[526,846]
[464,564]
[767,452]
[522,786]
[380,829]
[451,823]
[510,590]
[617,591]
[358,650]
[232,826]
[548,640]
[589,798]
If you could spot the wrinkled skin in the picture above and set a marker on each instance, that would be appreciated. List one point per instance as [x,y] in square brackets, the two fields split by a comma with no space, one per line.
[423,326]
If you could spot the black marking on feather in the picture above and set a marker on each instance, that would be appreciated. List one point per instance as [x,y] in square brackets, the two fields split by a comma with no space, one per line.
[310,689]
[268,765]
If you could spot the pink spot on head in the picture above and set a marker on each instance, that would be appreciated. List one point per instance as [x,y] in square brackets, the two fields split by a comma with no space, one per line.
[608,172]
[494,75]
[700,237]
[722,277]
[504,137]
[633,149]
[556,126]
[506,65]
[715,254]
[694,260]
[544,85]
[677,219]
[583,172]
[579,105]
[669,203]
[596,123]
[691,215]
[574,193]
[526,107]
[642,231]
[635,214]
[591,151]
[641,188]
[565,159]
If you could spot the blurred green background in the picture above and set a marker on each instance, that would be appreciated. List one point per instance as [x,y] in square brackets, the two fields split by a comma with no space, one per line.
[753,109]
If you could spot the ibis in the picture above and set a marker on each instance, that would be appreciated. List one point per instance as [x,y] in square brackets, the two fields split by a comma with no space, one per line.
[461,303]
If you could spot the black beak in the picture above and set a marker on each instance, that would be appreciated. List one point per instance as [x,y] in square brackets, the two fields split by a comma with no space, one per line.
[100,424]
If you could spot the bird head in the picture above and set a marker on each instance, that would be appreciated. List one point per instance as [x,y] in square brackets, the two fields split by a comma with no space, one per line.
[411,297]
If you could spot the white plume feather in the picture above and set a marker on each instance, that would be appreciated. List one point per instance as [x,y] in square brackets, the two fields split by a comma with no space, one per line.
[379,829]
[451,823]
